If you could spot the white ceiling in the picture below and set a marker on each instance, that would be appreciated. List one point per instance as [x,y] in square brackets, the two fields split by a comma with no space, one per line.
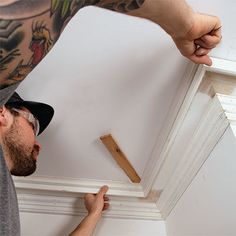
[110,73]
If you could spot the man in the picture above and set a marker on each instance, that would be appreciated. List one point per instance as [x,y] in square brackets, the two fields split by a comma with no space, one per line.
[20,122]
[29,29]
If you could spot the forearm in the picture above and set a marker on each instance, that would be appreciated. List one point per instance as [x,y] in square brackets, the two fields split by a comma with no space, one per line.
[172,15]
[87,225]
[29,29]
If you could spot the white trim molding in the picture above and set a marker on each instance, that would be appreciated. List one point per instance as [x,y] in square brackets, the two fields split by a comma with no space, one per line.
[62,203]
[205,113]
[73,185]
[204,138]
[42,194]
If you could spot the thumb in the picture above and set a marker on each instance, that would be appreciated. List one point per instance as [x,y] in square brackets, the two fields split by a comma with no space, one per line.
[103,190]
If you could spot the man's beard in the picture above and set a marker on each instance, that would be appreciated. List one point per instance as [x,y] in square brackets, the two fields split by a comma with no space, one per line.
[21,156]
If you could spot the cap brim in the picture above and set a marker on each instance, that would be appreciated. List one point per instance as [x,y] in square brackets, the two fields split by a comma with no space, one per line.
[43,112]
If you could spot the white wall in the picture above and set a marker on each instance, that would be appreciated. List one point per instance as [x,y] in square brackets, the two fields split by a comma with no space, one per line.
[60,225]
[208,206]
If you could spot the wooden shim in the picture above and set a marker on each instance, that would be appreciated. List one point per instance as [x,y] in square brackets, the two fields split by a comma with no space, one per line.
[120,157]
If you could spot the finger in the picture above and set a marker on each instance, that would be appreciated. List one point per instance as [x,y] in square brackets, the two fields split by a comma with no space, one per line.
[103,190]
[208,41]
[106,206]
[106,198]
[216,31]
[201,59]
[202,51]
[203,44]
[214,39]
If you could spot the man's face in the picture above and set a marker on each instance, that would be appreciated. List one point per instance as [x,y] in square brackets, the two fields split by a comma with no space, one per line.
[19,141]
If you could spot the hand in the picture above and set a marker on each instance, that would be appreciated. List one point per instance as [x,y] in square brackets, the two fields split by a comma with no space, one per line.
[96,203]
[204,35]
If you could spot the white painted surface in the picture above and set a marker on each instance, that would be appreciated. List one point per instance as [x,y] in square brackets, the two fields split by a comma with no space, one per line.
[104,75]
[62,225]
[208,206]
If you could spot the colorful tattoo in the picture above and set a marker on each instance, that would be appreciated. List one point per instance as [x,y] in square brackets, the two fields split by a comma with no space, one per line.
[47,19]
[6,59]
[63,6]
[63,10]
[123,6]
[19,73]
[40,44]
[9,40]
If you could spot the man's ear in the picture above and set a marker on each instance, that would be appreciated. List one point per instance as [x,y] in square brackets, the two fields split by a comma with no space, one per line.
[3,116]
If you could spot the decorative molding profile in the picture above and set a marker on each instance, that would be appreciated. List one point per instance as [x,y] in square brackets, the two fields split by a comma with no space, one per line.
[205,137]
[156,160]
[198,118]
[64,197]
[57,203]
[201,122]
[229,105]
[73,185]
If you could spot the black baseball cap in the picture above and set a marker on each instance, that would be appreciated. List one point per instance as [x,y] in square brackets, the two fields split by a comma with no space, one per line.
[43,112]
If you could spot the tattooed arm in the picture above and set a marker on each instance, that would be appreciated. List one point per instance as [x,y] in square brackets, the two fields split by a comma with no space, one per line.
[194,34]
[29,29]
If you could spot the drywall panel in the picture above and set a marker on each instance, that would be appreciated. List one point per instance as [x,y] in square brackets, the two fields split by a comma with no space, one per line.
[208,206]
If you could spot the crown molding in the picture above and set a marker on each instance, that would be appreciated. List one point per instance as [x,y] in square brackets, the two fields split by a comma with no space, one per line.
[205,137]
[61,203]
[191,78]
[187,90]
[223,67]
[208,109]
[42,194]
[73,185]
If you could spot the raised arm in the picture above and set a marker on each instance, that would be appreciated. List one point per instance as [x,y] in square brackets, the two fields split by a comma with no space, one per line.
[29,29]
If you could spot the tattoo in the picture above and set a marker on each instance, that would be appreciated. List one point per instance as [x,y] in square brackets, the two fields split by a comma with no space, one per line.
[16,60]
[63,6]
[23,9]
[61,11]
[6,59]
[19,73]
[41,42]
[10,38]
[7,27]
[64,10]
[123,6]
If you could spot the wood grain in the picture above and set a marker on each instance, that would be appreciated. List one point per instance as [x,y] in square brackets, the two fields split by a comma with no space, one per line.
[120,157]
